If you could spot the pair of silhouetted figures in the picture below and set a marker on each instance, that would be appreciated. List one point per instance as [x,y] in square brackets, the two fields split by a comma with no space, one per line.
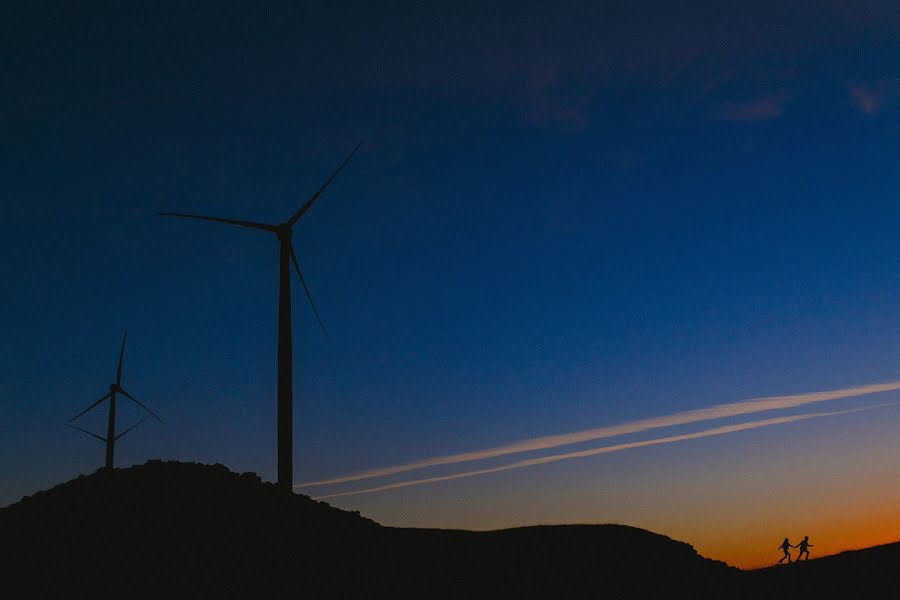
[803,545]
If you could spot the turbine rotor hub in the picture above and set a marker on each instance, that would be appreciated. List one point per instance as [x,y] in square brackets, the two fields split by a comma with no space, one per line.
[284,232]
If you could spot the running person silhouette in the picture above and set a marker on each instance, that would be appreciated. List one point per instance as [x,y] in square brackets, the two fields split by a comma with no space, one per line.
[803,545]
[787,555]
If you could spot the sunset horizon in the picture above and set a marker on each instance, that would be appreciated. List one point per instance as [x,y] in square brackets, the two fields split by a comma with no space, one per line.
[455,267]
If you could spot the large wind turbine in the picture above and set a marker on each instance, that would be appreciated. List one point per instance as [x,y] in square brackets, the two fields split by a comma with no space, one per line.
[285,363]
[114,388]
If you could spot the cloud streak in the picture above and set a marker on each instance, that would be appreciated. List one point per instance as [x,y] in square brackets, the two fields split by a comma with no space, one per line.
[716,431]
[719,411]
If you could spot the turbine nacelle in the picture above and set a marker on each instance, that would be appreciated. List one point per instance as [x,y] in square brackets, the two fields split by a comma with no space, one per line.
[284,231]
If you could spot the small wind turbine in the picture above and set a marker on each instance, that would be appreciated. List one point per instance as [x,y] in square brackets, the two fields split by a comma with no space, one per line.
[111,436]
[287,256]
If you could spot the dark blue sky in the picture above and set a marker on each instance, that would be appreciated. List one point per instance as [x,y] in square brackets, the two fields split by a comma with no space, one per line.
[560,218]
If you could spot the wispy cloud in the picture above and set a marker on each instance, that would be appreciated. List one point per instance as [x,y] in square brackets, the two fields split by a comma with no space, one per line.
[868,100]
[725,429]
[719,411]
[761,109]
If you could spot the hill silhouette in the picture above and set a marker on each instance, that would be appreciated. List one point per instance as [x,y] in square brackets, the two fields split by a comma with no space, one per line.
[171,529]
[868,573]
[186,529]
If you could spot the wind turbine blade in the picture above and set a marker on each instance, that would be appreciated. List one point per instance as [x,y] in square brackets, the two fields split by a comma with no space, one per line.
[89,407]
[328,181]
[91,433]
[133,426]
[121,355]
[306,289]
[136,401]
[253,224]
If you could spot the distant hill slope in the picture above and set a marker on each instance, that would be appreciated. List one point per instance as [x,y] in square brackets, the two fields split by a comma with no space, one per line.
[869,573]
[189,530]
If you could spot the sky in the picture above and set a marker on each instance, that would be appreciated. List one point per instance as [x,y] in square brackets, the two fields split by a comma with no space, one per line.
[563,219]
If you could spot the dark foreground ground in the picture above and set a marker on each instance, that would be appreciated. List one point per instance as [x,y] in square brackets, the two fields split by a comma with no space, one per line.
[185,530]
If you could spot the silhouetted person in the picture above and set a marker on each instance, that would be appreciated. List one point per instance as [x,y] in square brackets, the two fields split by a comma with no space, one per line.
[803,545]
[787,555]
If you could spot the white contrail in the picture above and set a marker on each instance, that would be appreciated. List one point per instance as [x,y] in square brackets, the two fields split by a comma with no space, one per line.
[553,441]
[605,449]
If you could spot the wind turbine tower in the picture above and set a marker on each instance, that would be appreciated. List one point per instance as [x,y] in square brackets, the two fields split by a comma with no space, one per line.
[283,232]
[114,389]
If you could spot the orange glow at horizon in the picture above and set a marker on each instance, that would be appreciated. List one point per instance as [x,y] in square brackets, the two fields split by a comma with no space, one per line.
[732,497]
[860,532]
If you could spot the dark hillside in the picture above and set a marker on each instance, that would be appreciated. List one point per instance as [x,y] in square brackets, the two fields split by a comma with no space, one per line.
[869,573]
[190,530]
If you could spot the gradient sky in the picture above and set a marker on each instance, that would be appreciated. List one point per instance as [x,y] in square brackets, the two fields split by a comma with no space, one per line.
[561,219]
